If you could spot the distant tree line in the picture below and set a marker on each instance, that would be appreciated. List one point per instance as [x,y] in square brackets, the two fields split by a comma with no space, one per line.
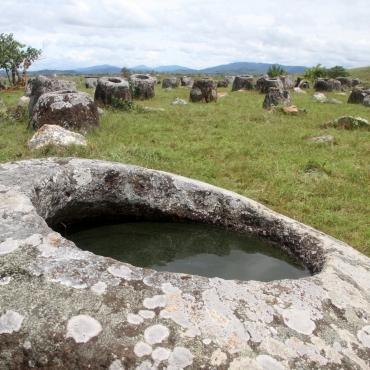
[16,58]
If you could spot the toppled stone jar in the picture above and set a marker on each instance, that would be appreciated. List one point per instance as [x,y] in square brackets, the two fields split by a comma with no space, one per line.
[64,308]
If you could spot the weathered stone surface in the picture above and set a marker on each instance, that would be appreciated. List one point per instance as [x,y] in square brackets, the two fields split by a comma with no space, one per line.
[349,123]
[23,102]
[142,86]
[40,85]
[322,139]
[110,88]
[55,135]
[223,83]
[204,90]
[186,81]
[71,110]
[243,83]
[276,97]
[346,82]
[179,101]
[358,95]
[91,82]
[287,82]
[327,84]
[366,101]
[170,83]
[264,84]
[302,84]
[64,308]
[298,90]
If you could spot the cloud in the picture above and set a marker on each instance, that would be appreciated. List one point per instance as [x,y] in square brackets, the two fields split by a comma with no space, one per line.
[192,33]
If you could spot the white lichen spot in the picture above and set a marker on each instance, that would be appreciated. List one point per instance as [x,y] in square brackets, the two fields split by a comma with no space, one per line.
[180,357]
[99,288]
[268,363]
[207,341]
[156,334]
[5,280]
[218,358]
[146,365]
[82,328]
[8,246]
[27,345]
[160,354]
[82,177]
[299,320]
[10,322]
[154,302]
[168,288]
[146,314]
[134,319]
[120,271]
[364,336]
[116,365]
[244,364]
[192,332]
[142,349]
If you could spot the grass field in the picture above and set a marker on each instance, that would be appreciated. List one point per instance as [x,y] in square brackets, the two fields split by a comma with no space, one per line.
[237,145]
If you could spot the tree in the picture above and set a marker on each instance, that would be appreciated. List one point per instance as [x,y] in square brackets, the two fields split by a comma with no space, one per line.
[315,72]
[15,56]
[276,70]
[337,71]
[125,72]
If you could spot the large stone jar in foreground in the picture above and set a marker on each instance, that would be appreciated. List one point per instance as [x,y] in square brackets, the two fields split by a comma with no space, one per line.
[204,90]
[74,111]
[142,86]
[63,308]
[110,88]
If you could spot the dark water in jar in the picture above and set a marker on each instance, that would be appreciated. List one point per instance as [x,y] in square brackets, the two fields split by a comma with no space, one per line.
[189,248]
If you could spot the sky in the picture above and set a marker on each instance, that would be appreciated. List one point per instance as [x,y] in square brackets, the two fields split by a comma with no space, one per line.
[191,33]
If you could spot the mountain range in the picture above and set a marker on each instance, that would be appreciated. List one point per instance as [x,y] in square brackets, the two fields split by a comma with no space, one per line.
[231,68]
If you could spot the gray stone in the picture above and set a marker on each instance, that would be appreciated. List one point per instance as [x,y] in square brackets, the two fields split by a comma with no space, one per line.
[110,89]
[40,85]
[320,97]
[327,84]
[186,81]
[55,135]
[65,308]
[243,83]
[142,86]
[276,97]
[349,123]
[91,82]
[223,83]
[366,101]
[358,95]
[264,84]
[170,83]
[302,84]
[23,101]
[322,139]
[204,90]
[179,101]
[71,110]
[287,82]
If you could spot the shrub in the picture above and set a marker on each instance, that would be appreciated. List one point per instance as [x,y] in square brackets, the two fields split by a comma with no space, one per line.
[315,72]
[276,70]
[337,71]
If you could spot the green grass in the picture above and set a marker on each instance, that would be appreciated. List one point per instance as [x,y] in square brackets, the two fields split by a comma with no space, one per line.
[362,73]
[237,145]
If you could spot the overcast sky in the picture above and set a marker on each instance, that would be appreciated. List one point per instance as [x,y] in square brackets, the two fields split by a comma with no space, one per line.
[192,33]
